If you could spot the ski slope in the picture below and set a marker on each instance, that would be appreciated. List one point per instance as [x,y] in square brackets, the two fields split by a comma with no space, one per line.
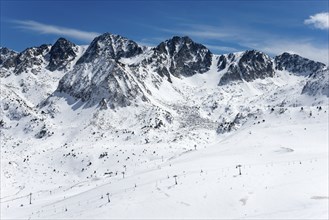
[284,174]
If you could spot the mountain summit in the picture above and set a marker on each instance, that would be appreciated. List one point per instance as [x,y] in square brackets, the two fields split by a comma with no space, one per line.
[297,64]
[110,46]
[180,56]
[61,54]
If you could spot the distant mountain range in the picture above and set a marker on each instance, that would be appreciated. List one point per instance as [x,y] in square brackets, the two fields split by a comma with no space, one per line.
[113,67]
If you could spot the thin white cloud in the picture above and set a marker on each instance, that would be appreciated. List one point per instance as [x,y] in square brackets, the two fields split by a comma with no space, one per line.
[320,20]
[221,48]
[304,49]
[150,42]
[255,39]
[146,44]
[42,28]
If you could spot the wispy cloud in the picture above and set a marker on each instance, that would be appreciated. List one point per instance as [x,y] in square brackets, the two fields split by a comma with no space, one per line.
[221,48]
[302,48]
[151,42]
[253,39]
[146,44]
[320,20]
[42,28]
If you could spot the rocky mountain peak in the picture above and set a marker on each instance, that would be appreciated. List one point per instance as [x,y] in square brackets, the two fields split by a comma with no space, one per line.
[248,66]
[180,56]
[31,58]
[110,46]
[99,77]
[297,64]
[61,53]
[5,53]
[7,57]
[175,44]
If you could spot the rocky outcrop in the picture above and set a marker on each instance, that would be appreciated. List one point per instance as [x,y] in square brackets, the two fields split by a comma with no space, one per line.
[31,59]
[7,57]
[179,56]
[297,64]
[99,77]
[105,81]
[110,46]
[247,66]
[61,54]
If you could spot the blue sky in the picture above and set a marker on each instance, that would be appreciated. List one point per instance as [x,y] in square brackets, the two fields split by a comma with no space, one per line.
[299,26]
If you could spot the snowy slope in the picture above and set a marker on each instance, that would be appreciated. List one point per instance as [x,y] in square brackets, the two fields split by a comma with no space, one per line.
[108,123]
[294,170]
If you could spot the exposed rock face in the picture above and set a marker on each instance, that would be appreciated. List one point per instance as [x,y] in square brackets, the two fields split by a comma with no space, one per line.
[106,81]
[318,84]
[36,59]
[115,71]
[297,64]
[247,66]
[98,76]
[32,58]
[180,56]
[7,57]
[110,46]
[224,61]
[61,54]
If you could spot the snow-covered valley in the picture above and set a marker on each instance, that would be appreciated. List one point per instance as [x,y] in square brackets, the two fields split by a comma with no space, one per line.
[123,131]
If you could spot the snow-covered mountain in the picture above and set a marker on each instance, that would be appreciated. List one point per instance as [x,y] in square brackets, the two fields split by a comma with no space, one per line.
[248,66]
[98,75]
[62,53]
[297,64]
[7,57]
[180,56]
[160,131]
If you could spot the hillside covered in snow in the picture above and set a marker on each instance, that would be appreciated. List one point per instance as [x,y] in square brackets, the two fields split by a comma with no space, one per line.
[119,130]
